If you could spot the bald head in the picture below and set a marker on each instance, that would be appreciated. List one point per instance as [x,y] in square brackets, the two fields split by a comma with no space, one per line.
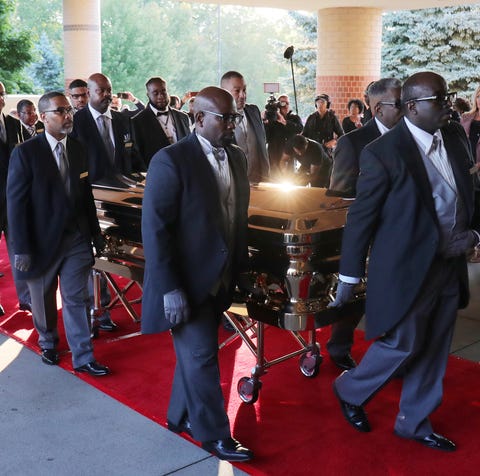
[219,131]
[99,92]
[425,103]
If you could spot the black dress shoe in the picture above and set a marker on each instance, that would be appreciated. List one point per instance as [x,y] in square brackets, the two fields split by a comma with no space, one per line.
[50,356]
[345,362]
[228,449]
[434,440]
[25,306]
[183,427]
[108,326]
[354,414]
[94,368]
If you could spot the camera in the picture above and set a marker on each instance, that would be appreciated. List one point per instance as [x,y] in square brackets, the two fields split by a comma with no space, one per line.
[271,109]
[122,95]
[272,106]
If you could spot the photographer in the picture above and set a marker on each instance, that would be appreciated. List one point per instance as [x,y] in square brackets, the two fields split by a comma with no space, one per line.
[315,164]
[281,124]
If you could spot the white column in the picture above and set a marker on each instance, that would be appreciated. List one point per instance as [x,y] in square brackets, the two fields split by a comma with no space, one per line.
[82,43]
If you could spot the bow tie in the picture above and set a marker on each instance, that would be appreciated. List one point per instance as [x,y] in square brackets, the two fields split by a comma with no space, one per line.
[162,113]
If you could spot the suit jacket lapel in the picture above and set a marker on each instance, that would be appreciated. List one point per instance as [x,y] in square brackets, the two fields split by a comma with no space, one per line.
[408,151]
[458,158]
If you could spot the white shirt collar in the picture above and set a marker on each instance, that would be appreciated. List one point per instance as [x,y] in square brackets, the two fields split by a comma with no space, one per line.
[423,138]
[381,127]
[96,114]
[155,110]
[52,142]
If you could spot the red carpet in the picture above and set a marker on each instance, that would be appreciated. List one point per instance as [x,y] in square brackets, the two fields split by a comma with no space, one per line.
[296,427]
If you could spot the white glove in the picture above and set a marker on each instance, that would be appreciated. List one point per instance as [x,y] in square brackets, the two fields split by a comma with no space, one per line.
[344,294]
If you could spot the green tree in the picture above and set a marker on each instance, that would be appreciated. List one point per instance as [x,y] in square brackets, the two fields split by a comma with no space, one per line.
[15,50]
[444,40]
[48,70]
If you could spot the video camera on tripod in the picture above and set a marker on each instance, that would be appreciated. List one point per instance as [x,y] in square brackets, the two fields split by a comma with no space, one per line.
[272,107]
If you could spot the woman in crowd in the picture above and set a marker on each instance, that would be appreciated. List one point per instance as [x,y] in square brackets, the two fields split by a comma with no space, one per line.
[354,119]
[471,123]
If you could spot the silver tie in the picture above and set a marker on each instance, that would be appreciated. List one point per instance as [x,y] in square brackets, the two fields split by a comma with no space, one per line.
[441,162]
[105,133]
[3,134]
[63,165]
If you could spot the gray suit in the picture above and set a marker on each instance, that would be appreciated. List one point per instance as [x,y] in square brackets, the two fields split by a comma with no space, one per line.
[405,211]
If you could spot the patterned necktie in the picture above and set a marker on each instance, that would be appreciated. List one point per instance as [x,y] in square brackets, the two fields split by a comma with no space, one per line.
[3,135]
[105,133]
[63,165]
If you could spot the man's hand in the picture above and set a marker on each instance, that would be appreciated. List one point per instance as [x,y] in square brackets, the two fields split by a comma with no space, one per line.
[99,243]
[344,294]
[23,262]
[461,243]
[176,306]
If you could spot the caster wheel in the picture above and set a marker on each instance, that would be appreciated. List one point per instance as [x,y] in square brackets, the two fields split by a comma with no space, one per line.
[310,364]
[248,389]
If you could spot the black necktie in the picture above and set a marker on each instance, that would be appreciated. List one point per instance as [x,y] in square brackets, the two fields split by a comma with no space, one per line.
[162,113]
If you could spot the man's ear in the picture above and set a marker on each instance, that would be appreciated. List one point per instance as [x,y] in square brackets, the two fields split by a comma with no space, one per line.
[199,118]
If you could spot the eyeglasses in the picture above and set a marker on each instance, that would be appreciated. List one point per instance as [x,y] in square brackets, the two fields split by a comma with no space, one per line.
[397,104]
[227,118]
[284,103]
[61,111]
[448,98]
[77,96]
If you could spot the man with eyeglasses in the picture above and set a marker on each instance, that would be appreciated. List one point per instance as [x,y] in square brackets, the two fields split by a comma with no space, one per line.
[30,125]
[413,217]
[194,227]
[77,91]
[250,133]
[158,125]
[385,104]
[386,108]
[53,222]
[278,132]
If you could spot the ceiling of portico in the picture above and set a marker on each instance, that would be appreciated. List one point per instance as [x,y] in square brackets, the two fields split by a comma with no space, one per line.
[314,5]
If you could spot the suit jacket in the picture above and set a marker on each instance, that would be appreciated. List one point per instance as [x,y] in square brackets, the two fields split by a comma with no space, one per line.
[12,126]
[24,134]
[183,238]
[39,209]
[394,212]
[100,168]
[254,118]
[346,158]
[148,135]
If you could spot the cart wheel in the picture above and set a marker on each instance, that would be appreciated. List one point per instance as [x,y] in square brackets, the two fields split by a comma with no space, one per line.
[310,364]
[248,389]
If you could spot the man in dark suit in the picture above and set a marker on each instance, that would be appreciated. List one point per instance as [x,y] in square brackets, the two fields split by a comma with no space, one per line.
[386,106]
[413,210]
[106,135]
[250,133]
[10,137]
[158,125]
[194,226]
[30,126]
[78,93]
[52,220]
